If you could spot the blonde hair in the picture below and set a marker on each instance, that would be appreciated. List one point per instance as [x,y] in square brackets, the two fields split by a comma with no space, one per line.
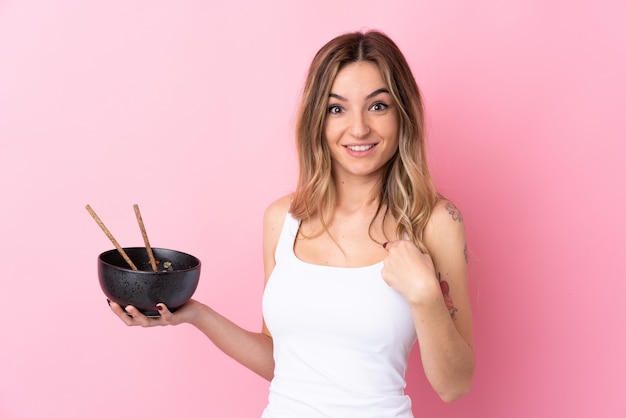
[407,188]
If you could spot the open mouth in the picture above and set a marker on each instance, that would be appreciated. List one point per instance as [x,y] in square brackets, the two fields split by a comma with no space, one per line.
[360,147]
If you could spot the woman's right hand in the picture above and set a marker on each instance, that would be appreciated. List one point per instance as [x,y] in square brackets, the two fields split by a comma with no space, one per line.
[131,316]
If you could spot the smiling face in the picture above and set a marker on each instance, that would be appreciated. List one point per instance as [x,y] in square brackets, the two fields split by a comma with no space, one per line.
[361,127]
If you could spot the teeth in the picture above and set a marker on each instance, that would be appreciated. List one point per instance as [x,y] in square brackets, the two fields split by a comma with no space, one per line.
[360,147]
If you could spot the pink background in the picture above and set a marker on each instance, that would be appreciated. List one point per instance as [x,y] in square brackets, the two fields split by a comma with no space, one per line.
[187,108]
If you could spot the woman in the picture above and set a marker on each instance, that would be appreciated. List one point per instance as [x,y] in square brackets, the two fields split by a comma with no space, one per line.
[364,259]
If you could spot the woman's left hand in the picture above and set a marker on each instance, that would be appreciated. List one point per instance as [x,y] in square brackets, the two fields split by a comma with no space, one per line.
[410,272]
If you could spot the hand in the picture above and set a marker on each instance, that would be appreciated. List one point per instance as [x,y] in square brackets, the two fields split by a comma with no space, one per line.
[410,272]
[131,316]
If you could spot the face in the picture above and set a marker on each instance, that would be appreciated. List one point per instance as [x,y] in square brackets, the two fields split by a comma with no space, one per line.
[361,127]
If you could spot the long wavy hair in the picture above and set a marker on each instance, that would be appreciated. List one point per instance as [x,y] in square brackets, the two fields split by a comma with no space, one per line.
[408,192]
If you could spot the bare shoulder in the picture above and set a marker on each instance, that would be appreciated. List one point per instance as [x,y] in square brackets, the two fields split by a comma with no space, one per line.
[444,211]
[445,229]
[273,221]
[276,211]
[445,215]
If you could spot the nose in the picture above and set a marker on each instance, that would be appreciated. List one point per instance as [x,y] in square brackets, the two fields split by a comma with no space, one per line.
[359,126]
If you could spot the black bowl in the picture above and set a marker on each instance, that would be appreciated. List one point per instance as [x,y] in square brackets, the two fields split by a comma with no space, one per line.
[173,284]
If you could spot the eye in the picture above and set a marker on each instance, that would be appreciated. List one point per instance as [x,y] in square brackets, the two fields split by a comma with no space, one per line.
[335,109]
[379,107]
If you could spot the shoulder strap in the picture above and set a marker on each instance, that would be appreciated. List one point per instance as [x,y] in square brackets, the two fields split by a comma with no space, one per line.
[284,247]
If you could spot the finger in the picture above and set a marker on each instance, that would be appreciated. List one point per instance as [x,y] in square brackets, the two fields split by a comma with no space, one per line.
[384,273]
[388,244]
[391,244]
[121,313]
[138,318]
[166,315]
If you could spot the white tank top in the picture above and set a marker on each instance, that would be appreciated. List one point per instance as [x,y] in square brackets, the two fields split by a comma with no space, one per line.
[342,338]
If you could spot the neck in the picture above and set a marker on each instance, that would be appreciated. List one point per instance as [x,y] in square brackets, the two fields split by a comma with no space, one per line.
[357,194]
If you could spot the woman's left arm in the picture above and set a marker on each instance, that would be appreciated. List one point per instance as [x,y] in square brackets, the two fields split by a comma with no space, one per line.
[436,288]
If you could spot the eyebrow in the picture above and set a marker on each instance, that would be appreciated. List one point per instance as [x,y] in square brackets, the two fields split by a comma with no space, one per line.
[369,96]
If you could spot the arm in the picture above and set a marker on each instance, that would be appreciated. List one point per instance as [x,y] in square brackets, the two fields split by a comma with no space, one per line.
[437,290]
[254,350]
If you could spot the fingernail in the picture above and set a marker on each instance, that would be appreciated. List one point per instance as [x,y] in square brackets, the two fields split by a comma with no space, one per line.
[159,307]
[385,245]
[108,302]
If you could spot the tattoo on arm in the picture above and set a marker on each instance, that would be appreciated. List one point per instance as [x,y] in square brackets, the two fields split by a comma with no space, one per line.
[454,212]
[445,290]
[456,215]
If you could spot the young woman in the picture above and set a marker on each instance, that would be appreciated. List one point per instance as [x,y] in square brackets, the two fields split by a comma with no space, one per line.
[362,261]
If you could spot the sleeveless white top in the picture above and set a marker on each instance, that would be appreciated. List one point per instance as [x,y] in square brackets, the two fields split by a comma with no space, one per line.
[342,338]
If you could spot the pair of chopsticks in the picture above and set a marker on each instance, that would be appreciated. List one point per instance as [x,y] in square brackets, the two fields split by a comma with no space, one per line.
[117,245]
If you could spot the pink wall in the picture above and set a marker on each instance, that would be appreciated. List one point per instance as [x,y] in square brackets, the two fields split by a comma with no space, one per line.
[187,109]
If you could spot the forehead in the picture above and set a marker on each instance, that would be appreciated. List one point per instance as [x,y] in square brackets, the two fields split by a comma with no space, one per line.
[358,77]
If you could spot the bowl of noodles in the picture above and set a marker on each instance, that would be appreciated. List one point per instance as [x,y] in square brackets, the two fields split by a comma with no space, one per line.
[173,283]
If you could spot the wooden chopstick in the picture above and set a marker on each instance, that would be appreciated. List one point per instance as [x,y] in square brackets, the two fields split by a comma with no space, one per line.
[113,240]
[145,238]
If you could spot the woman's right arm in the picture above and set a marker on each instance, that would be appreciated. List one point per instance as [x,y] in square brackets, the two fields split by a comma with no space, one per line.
[254,350]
